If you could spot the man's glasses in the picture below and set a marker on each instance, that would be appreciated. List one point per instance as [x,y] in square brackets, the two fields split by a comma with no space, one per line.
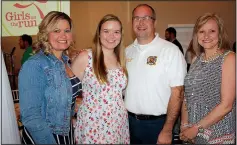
[145,18]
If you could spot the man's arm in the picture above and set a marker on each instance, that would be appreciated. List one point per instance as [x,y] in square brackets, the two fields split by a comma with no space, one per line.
[174,106]
[173,111]
[184,116]
[176,69]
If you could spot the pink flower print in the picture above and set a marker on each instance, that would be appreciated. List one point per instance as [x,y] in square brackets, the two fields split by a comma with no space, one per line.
[94,131]
[105,101]
[105,120]
[111,126]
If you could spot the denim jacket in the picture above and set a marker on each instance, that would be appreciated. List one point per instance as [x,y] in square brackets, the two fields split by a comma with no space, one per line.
[45,97]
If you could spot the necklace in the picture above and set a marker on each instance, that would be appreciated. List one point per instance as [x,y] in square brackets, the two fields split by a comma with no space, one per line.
[210,58]
[198,66]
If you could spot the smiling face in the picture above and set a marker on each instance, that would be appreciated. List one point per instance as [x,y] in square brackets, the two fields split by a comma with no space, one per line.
[144,29]
[208,35]
[110,34]
[60,37]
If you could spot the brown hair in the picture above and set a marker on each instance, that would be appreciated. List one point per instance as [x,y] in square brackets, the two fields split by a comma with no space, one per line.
[223,37]
[98,56]
[46,26]
[191,50]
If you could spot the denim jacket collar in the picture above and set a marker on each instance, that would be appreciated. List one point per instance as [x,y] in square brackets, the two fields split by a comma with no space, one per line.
[54,59]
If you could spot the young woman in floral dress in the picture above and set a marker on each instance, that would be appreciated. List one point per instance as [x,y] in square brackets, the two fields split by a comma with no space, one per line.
[102,117]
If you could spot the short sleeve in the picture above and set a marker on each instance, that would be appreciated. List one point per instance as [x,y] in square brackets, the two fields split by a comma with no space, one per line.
[176,68]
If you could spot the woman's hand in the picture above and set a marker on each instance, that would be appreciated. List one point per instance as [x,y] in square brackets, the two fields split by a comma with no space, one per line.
[189,133]
[184,126]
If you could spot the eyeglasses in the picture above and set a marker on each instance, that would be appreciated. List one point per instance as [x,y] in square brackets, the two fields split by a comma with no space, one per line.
[145,18]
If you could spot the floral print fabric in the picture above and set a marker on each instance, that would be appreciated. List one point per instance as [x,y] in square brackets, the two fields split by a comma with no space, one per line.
[102,117]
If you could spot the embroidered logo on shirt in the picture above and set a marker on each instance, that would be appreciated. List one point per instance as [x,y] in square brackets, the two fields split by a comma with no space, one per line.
[151,60]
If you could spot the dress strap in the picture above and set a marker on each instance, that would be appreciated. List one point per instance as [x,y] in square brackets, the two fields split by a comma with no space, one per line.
[90,57]
[225,54]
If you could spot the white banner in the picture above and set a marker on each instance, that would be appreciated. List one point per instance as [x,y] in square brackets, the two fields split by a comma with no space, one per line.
[19,17]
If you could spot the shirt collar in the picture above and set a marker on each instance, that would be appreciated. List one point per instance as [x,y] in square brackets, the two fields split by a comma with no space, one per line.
[140,47]
[54,59]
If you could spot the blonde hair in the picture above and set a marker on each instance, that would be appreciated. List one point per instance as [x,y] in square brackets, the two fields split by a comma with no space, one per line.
[46,26]
[223,42]
[98,56]
[191,50]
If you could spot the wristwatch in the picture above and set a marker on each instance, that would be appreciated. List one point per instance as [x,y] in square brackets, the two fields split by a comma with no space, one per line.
[200,128]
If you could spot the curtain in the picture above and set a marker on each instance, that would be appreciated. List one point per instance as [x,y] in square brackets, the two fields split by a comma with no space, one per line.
[10,132]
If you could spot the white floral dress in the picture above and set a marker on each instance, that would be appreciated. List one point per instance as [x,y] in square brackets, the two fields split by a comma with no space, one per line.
[102,117]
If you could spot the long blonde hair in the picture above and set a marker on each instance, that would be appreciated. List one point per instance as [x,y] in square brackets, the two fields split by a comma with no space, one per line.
[223,37]
[98,56]
[46,26]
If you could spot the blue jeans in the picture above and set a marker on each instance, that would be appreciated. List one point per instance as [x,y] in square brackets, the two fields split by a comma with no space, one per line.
[145,131]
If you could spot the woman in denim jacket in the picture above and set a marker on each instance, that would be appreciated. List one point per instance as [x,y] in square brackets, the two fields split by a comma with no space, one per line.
[47,86]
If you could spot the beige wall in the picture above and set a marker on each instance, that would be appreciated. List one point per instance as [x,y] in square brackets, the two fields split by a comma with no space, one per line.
[86,15]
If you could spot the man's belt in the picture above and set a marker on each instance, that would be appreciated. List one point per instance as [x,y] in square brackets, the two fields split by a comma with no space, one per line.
[146,117]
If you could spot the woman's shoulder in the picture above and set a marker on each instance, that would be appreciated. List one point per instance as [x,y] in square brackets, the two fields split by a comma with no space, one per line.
[229,56]
[82,57]
[83,54]
[33,65]
[39,60]
[194,59]
[229,53]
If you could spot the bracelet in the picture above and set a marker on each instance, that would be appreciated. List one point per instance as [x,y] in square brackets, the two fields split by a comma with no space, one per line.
[185,125]
[200,128]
